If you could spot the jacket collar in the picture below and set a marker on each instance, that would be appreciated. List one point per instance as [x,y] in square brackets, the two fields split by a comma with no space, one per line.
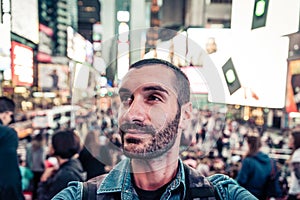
[119,179]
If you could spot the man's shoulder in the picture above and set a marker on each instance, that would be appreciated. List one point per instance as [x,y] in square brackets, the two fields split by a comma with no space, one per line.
[96,180]
[6,128]
[89,188]
[7,132]
[219,177]
[228,188]
[194,177]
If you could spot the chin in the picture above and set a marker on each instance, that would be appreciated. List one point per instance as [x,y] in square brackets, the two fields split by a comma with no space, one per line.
[143,154]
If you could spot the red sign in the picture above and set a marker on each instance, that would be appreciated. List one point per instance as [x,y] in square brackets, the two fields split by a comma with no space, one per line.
[21,64]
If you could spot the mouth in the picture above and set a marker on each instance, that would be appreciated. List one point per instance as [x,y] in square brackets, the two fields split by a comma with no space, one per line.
[132,141]
[135,138]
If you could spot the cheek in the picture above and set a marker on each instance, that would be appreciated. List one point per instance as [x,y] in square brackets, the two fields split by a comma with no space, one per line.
[291,143]
[51,151]
[161,116]
[120,114]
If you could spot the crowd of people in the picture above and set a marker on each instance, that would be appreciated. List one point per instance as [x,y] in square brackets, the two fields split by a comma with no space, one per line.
[152,131]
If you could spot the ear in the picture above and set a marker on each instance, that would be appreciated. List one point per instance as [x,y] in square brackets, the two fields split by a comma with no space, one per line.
[186,115]
[51,151]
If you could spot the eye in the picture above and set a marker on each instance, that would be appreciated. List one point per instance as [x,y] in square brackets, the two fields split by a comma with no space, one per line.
[126,99]
[154,97]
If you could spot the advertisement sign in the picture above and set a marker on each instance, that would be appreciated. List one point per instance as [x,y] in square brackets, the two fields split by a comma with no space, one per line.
[22,64]
[293,87]
[5,43]
[260,54]
[244,64]
[53,77]
[76,46]
[25,19]
[45,45]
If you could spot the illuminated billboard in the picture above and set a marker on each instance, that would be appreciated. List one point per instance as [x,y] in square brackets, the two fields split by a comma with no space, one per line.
[260,55]
[5,44]
[22,64]
[293,87]
[251,63]
[53,77]
[25,19]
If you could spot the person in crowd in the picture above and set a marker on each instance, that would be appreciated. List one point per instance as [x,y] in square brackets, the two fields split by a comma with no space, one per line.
[294,143]
[35,157]
[91,165]
[10,176]
[92,149]
[91,142]
[26,174]
[55,79]
[65,146]
[155,110]
[256,166]
[220,146]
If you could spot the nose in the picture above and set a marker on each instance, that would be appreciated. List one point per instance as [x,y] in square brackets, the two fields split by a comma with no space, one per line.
[137,111]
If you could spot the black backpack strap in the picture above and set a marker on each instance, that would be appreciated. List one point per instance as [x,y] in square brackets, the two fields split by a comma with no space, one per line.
[89,191]
[201,192]
[89,188]
[198,192]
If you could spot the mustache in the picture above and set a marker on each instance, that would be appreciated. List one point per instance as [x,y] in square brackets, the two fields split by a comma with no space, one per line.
[136,126]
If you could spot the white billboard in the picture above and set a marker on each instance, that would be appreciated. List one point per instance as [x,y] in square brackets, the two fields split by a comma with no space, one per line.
[25,19]
[259,56]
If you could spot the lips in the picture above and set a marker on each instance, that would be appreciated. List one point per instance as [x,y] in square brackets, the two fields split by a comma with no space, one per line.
[137,128]
[135,136]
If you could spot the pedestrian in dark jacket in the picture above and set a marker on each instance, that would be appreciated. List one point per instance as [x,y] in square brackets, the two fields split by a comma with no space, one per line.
[65,147]
[10,176]
[256,167]
[294,143]
[35,159]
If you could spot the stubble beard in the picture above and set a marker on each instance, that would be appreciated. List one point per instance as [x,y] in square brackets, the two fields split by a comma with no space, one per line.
[161,142]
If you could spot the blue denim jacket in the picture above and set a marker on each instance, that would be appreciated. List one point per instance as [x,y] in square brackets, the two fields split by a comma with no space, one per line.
[119,181]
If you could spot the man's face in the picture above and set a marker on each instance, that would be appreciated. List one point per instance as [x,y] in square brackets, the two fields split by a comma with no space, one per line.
[7,117]
[149,113]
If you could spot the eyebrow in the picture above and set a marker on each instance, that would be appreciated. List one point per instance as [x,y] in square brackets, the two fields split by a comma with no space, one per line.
[158,88]
[148,88]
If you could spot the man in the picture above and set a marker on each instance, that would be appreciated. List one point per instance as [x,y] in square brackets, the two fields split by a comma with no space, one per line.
[155,109]
[10,176]
[55,79]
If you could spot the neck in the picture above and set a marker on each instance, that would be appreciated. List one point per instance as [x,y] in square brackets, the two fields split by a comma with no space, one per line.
[164,169]
[61,160]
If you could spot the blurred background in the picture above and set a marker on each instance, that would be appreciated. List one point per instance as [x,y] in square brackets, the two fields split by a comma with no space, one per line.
[61,61]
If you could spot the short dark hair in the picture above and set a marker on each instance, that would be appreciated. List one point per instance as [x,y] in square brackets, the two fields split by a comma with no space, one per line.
[6,104]
[296,135]
[181,82]
[66,143]
[254,142]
